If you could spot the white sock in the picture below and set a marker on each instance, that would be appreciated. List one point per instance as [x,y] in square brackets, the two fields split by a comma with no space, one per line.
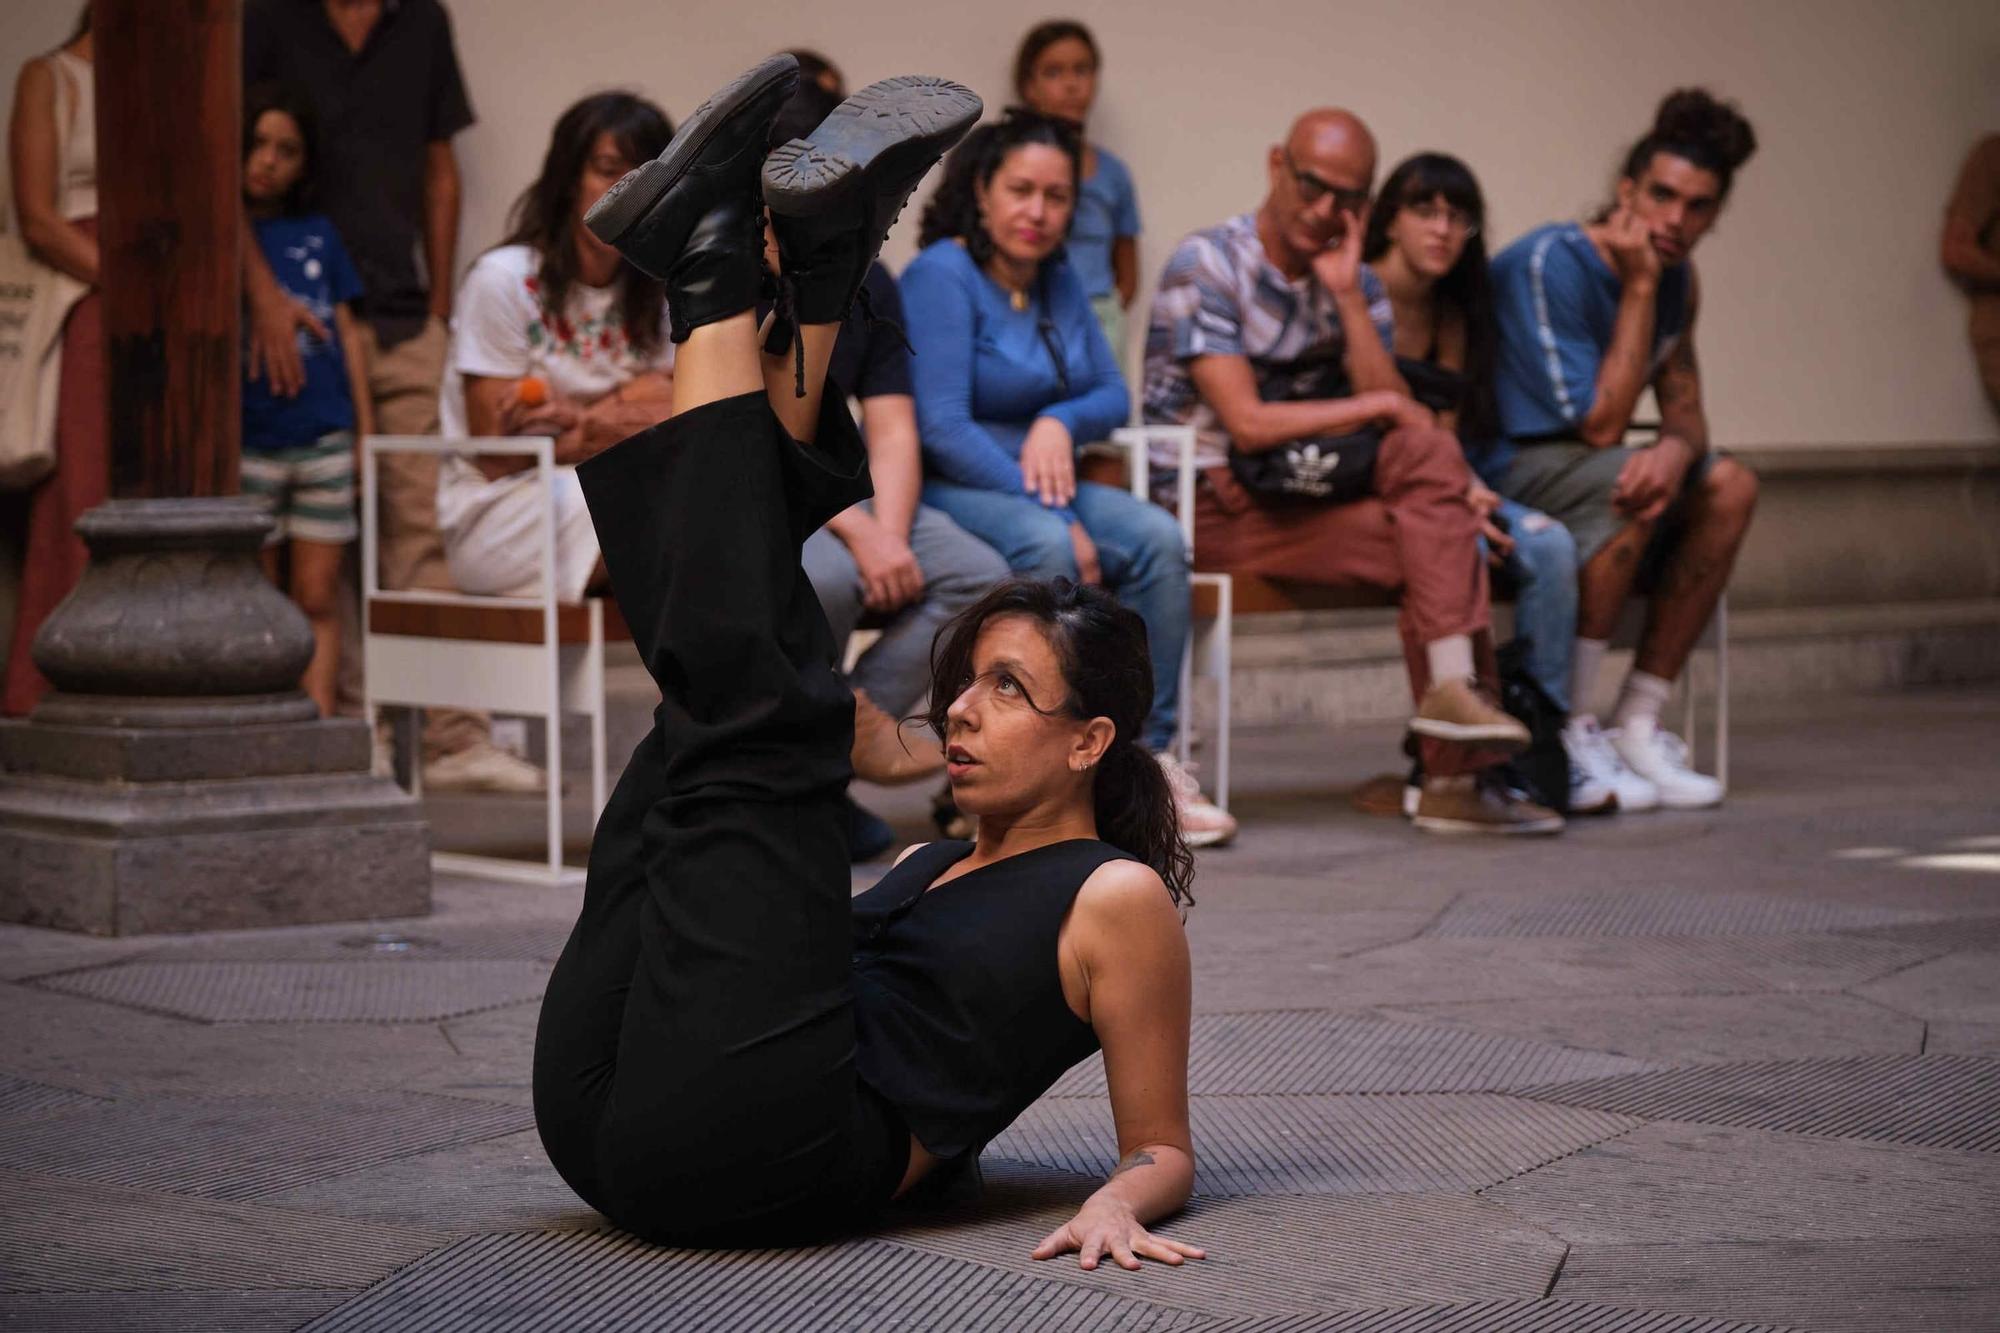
[1645,695]
[1450,658]
[1584,660]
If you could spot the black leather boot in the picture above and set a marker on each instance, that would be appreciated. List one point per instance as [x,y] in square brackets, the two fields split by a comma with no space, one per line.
[694,216]
[834,194]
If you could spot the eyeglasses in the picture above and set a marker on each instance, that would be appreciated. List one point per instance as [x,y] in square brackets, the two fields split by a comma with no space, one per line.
[1455,219]
[1312,189]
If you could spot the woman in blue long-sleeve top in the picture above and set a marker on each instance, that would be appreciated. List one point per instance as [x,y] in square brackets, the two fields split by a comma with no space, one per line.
[1012,376]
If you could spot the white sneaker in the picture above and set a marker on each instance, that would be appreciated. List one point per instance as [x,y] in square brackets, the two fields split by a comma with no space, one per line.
[1660,757]
[1203,823]
[1596,769]
[484,767]
[1589,795]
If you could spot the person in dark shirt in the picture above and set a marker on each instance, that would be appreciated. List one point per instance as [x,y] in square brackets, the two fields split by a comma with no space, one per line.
[381,78]
[733,1051]
[890,561]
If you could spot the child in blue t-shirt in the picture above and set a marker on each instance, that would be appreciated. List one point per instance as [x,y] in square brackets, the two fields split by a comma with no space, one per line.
[299,452]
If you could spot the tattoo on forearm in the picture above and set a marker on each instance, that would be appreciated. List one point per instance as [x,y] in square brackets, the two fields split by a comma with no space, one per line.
[1136,1158]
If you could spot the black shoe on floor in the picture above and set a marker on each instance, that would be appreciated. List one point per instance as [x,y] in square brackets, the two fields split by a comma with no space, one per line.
[868,834]
[835,193]
[694,216]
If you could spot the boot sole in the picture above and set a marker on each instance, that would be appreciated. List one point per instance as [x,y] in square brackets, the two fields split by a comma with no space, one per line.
[1437,824]
[612,217]
[1470,735]
[898,126]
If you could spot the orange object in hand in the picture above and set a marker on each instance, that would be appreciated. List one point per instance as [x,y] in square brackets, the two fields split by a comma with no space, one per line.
[531,391]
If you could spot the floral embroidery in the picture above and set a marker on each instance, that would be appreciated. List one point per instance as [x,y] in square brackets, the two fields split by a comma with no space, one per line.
[598,335]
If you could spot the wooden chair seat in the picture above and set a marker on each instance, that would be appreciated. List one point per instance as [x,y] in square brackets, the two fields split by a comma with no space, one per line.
[388,614]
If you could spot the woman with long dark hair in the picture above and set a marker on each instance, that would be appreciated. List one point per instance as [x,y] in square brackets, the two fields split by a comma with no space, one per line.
[1426,241]
[554,334]
[1014,378]
[731,1051]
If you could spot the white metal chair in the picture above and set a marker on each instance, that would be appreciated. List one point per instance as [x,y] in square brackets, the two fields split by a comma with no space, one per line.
[516,655]
[1208,651]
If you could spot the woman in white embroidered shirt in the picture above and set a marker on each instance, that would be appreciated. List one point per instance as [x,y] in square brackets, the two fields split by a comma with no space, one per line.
[554,334]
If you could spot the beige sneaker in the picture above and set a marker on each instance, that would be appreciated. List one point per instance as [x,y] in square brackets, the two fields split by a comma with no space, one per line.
[1479,803]
[1457,710]
[889,754]
[1203,822]
[484,767]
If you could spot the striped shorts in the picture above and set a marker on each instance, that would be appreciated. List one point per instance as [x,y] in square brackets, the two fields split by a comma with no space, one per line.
[309,490]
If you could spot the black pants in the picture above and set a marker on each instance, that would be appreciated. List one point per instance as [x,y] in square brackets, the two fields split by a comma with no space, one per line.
[694,1067]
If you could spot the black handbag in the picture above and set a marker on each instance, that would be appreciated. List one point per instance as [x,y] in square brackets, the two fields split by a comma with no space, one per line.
[1330,469]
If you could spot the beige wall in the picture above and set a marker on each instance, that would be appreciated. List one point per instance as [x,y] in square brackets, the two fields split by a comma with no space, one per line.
[1827,318]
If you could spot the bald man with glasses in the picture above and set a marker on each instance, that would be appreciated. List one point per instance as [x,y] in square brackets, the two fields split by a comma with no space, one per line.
[1268,332]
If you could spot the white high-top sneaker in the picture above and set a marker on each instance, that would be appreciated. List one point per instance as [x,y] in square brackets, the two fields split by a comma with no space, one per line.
[1598,769]
[1660,757]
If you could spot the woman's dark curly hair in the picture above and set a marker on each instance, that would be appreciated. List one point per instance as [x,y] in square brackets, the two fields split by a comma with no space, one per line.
[1694,124]
[544,217]
[953,210]
[1101,647]
[1467,289]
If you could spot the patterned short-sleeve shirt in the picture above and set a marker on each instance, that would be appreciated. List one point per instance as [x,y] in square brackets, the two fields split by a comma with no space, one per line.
[1220,295]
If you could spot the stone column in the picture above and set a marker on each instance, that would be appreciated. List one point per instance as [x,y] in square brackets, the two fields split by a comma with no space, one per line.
[177,778]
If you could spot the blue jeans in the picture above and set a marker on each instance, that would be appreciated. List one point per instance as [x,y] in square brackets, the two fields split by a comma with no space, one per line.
[1139,548]
[1543,568]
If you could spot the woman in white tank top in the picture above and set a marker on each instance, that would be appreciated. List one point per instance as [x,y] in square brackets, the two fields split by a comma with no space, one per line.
[53,137]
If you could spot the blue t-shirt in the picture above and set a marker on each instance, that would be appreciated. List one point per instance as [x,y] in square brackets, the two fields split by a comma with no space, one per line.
[1107,209]
[984,371]
[309,262]
[1557,302]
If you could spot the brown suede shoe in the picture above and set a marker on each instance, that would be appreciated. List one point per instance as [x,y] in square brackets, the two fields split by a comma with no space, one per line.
[1478,803]
[889,755]
[1458,710]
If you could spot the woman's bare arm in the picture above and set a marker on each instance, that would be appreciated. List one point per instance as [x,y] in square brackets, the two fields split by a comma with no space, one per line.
[1126,940]
[31,154]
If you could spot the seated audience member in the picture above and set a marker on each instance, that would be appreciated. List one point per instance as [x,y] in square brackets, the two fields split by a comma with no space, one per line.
[298,452]
[901,564]
[1971,252]
[1425,243]
[1267,332]
[1055,73]
[1014,377]
[555,334]
[1590,314]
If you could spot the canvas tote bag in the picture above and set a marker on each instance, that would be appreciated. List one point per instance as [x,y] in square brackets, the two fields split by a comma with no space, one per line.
[34,301]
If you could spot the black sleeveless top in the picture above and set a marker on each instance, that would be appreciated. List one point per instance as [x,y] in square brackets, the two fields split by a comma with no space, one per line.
[958,1004]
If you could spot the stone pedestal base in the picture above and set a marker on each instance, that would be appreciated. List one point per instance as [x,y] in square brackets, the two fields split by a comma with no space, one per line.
[117,830]
[177,779]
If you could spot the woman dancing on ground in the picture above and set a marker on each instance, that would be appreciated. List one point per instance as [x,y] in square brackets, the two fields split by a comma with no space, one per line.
[731,1052]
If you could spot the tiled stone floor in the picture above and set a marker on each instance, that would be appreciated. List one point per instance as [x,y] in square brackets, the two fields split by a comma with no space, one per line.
[1700,1073]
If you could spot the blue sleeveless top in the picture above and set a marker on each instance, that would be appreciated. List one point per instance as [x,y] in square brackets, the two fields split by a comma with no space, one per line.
[958,1005]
